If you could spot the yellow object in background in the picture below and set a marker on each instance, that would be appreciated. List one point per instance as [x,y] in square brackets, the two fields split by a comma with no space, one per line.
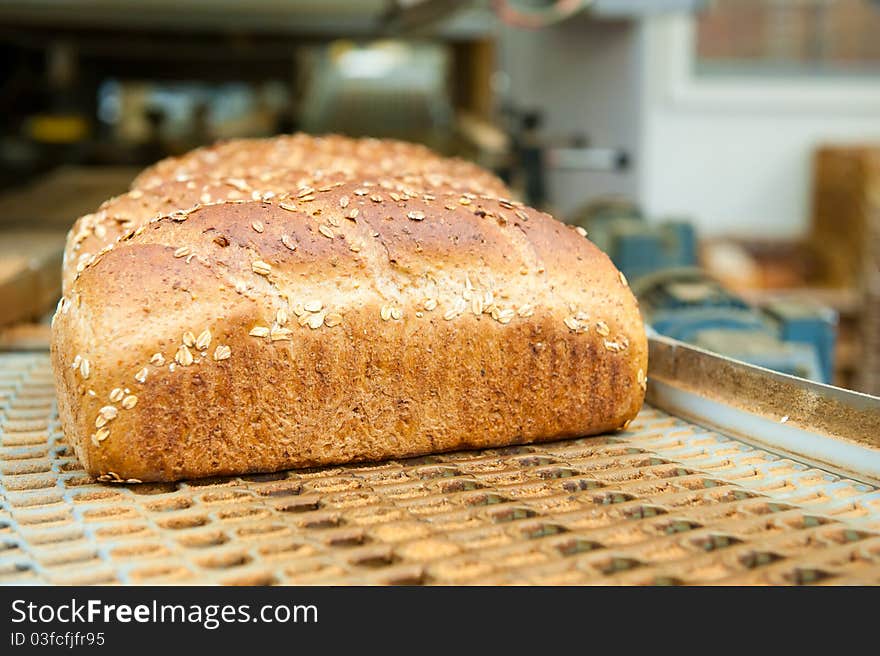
[57,128]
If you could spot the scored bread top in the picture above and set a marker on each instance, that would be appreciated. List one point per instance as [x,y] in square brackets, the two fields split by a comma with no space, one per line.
[441,243]
[257,169]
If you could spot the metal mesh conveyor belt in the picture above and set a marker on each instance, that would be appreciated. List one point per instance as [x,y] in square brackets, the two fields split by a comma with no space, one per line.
[666,502]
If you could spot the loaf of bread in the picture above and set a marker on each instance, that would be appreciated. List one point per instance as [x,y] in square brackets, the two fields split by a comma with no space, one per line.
[359,320]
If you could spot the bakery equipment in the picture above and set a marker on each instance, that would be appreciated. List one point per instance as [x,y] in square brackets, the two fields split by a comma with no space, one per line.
[788,336]
[727,476]
[659,258]
[636,246]
[535,14]
[533,157]
[731,474]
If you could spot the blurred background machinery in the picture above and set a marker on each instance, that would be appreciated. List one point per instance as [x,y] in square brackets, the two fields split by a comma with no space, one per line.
[792,338]
[636,245]
[681,300]
[724,153]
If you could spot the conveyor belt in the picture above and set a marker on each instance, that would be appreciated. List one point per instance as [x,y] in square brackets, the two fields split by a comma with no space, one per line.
[666,502]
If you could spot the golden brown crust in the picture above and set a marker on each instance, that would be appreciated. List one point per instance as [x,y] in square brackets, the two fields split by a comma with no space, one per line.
[323,300]
[431,322]
[375,158]
[258,168]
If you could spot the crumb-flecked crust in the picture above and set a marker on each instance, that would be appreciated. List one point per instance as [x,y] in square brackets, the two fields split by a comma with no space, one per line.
[359,321]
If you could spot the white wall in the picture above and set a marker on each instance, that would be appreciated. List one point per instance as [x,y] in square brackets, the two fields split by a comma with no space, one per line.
[584,75]
[736,156]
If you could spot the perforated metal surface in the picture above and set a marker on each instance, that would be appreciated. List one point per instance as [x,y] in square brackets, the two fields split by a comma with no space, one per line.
[666,502]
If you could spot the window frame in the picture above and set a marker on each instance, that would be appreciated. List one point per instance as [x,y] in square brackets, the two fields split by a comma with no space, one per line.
[676,40]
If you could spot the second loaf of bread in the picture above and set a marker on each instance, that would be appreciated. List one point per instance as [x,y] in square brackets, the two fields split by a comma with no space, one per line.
[357,323]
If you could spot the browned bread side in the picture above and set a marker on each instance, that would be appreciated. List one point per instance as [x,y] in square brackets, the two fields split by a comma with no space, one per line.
[337,326]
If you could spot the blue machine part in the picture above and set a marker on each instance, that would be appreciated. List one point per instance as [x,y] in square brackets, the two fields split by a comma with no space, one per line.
[636,246]
[815,326]
[679,300]
[640,248]
[688,305]
[687,323]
